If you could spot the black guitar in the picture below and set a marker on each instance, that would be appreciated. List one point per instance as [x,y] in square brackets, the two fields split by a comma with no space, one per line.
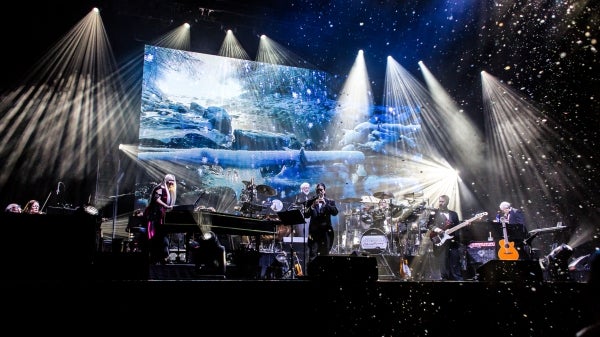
[438,239]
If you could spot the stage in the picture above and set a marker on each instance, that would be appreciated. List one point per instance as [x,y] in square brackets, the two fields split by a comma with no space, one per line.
[56,274]
[320,307]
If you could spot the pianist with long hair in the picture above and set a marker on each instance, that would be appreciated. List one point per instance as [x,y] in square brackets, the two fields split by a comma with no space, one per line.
[161,201]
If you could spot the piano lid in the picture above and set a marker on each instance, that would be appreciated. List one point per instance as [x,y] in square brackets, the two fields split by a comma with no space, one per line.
[219,223]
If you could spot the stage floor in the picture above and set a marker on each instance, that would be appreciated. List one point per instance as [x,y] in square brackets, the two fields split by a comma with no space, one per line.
[345,298]
[304,306]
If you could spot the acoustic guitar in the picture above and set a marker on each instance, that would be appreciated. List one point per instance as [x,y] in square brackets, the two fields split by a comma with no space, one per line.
[507,249]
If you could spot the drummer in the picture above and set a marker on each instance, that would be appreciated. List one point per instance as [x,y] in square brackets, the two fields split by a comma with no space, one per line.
[380,214]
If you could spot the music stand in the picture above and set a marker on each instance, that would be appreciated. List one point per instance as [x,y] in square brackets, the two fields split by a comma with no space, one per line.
[292,217]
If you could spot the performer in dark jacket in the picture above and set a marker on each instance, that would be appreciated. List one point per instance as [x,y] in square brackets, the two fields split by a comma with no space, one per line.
[447,256]
[511,215]
[320,230]
[516,245]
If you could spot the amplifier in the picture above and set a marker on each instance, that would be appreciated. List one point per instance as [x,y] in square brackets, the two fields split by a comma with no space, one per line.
[482,251]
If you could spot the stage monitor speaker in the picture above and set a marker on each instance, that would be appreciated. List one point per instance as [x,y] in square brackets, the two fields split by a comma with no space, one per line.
[343,268]
[519,270]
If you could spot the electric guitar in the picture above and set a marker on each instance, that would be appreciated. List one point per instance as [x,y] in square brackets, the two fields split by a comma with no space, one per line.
[438,239]
[507,249]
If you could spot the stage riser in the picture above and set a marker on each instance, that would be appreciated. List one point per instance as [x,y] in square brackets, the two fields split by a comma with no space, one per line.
[344,268]
[520,271]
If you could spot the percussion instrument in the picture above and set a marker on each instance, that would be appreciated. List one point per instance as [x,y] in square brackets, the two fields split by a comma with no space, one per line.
[374,241]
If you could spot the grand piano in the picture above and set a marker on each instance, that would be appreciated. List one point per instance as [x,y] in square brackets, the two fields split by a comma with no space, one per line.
[185,219]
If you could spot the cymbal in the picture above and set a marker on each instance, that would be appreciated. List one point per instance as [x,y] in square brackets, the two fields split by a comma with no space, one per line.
[351,200]
[413,195]
[383,195]
[266,190]
[368,199]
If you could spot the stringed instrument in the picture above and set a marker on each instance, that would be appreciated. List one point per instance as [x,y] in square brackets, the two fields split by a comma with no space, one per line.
[297,266]
[507,249]
[438,239]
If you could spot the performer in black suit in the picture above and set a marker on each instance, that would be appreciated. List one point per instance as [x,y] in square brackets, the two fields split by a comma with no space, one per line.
[320,231]
[446,257]
[511,215]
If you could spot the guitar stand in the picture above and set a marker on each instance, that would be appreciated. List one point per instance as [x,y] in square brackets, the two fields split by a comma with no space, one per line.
[290,218]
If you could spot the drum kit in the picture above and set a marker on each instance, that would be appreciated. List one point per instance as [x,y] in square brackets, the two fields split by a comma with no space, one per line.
[374,225]
[249,198]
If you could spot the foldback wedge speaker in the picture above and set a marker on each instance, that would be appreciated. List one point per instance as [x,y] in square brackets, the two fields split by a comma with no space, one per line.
[518,270]
[343,268]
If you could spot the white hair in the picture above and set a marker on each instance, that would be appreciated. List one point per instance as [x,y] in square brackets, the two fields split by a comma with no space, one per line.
[303,185]
[172,190]
[504,205]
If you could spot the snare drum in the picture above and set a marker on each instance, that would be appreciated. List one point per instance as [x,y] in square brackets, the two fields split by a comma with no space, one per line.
[374,241]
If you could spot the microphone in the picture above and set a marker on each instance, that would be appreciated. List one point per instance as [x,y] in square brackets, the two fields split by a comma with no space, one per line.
[58,188]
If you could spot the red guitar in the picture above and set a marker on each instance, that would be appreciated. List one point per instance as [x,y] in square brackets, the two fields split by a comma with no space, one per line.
[438,239]
[507,249]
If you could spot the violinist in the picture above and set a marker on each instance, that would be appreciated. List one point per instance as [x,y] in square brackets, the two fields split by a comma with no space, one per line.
[320,209]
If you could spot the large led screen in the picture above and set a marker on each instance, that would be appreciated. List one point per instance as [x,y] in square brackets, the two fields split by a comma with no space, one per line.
[222,124]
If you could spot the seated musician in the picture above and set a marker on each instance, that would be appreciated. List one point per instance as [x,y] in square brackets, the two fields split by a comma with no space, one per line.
[13,208]
[32,207]
[379,215]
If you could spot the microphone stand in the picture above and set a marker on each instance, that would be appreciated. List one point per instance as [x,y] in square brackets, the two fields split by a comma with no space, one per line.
[45,202]
[393,249]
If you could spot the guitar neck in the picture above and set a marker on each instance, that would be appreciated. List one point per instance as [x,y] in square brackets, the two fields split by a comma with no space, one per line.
[504,233]
[465,223]
[459,226]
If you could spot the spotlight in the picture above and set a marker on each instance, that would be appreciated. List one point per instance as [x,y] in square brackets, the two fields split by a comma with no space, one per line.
[557,262]
[208,255]
[278,267]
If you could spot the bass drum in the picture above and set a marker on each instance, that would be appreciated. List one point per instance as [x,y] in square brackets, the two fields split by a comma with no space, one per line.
[374,241]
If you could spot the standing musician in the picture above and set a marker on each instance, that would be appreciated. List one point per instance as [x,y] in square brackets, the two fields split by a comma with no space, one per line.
[320,230]
[301,199]
[513,245]
[161,200]
[510,214]
[446,258]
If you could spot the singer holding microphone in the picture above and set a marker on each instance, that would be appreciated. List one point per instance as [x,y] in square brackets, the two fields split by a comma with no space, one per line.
[320,209]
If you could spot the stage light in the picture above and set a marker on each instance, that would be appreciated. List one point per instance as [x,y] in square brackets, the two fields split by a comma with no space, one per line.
[557,263]
[208,255]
